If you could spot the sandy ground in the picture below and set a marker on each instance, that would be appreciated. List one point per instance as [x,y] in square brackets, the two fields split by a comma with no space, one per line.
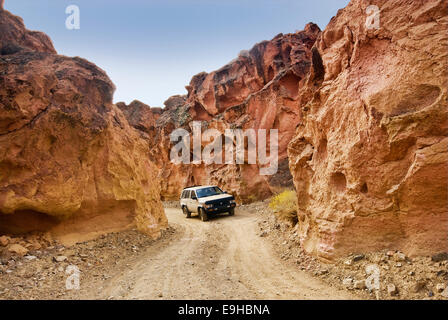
[223,258]
[246,256]
[251,255]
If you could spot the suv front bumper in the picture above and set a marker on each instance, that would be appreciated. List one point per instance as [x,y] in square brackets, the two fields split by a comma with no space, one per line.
[220,209]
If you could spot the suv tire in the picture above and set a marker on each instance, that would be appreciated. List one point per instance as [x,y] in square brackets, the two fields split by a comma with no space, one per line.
[186,212]
[203,214]
[232,212]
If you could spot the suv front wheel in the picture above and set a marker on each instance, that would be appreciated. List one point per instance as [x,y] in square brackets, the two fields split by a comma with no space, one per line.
[203,214]
[186,212]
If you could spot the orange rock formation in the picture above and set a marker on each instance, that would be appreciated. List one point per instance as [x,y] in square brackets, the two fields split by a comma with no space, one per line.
[70,163]
[258,90]
[369,160]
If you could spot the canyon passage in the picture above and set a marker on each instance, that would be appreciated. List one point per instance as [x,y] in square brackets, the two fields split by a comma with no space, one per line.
[361,115]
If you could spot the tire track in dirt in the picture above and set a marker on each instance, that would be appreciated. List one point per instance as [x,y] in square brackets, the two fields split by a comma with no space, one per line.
[223,258]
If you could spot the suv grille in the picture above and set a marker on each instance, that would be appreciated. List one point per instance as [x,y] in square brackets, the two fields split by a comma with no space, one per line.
[220,202]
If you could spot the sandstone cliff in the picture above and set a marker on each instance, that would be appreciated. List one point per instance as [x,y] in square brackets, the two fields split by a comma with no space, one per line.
[370,159]
[70,163]
[14,36]
[257,90]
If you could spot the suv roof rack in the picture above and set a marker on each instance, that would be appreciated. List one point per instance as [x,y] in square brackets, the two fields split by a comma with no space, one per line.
[196,185]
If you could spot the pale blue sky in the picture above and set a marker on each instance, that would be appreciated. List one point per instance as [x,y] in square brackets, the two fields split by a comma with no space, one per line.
[151,49]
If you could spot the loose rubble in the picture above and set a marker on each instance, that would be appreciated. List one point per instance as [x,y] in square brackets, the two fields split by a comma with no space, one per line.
[42,272]
[400,276]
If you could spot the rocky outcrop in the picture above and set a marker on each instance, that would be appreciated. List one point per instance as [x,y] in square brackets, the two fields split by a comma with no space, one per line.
[258,90]
[277,65]
[15,37]
[141,116]
[370,159]
[70,163]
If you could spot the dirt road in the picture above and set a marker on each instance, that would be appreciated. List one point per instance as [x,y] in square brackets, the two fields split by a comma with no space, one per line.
[223,258]
[248,256]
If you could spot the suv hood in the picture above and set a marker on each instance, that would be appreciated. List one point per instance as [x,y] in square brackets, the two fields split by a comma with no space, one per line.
[217,197]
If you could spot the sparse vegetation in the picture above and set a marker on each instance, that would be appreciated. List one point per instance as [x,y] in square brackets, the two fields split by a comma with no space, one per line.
[284,206]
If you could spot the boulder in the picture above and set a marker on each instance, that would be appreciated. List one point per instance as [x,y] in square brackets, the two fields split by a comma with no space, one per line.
[18,249]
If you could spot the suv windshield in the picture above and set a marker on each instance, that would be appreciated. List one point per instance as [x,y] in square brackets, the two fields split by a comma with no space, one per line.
[207,192]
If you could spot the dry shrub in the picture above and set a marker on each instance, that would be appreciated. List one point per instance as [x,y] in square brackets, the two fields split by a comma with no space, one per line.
[284,206]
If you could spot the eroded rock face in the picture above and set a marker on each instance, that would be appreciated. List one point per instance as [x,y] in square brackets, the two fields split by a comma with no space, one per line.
[141,116]
[370,160]
[258,90]
[14,37]
[70,163]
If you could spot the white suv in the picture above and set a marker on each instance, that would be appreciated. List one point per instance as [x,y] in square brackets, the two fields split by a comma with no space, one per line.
[206,200]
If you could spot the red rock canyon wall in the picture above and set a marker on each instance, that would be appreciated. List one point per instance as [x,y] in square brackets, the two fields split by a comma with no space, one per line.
[257,90]
[70,163]
[369,159]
